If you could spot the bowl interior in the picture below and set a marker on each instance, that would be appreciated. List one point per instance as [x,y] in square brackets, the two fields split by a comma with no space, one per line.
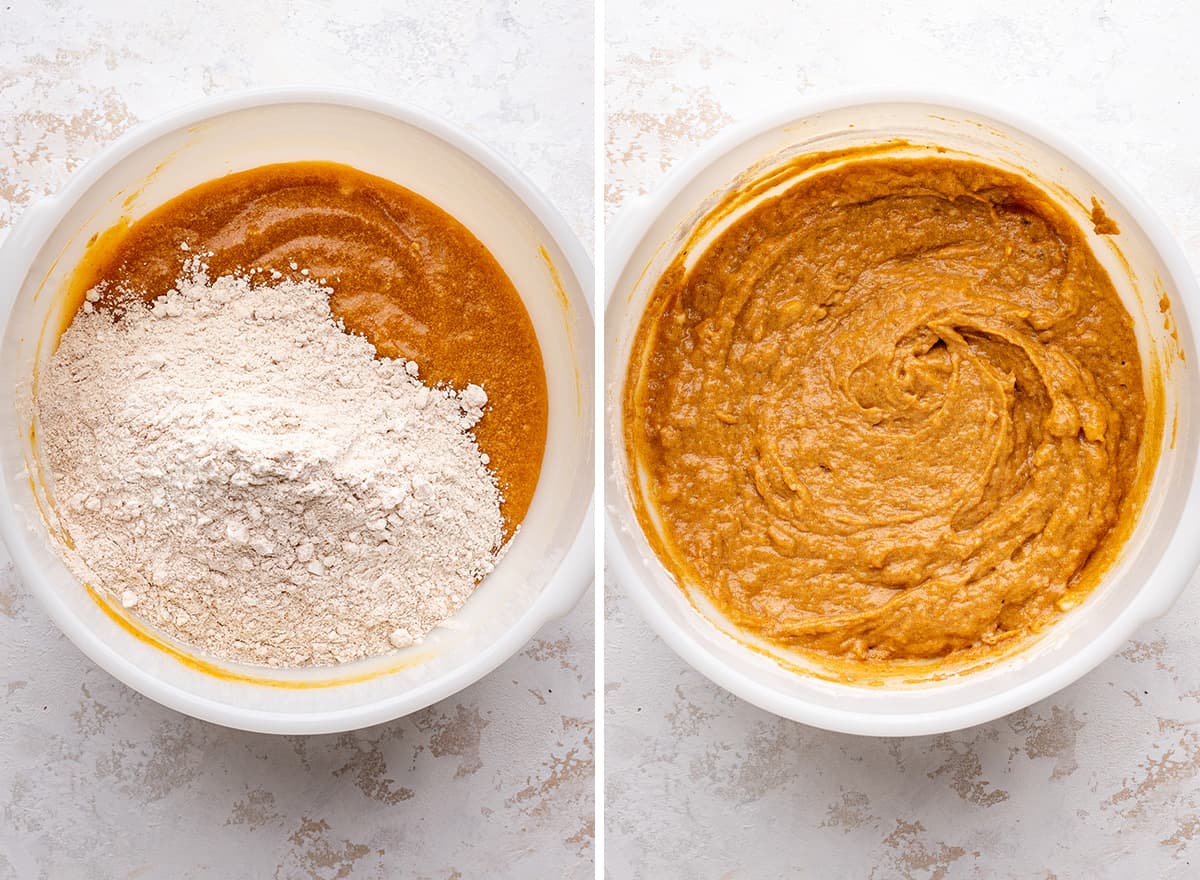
[758,670]
[539,256]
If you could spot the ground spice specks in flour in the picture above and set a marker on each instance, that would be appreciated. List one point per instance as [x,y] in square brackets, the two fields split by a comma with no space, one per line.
[242,473]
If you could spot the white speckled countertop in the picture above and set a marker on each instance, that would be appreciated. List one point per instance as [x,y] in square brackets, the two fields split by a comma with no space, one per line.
[97,782]
[1103,780]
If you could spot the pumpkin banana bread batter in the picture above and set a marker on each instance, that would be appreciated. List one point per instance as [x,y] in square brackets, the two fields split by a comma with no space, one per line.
[405,274]
[893,414]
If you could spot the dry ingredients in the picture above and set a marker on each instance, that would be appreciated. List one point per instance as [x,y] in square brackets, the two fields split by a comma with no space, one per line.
[236,469]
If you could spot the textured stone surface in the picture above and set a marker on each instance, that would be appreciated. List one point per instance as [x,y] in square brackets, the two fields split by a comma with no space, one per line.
[1099,781]
[97,782]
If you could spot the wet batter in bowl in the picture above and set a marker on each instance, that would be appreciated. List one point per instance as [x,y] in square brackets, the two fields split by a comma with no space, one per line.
[894,414]
[404,273]
[237,471]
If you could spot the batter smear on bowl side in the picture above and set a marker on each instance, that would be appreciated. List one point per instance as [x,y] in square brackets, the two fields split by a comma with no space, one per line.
[891,418]
[298,414]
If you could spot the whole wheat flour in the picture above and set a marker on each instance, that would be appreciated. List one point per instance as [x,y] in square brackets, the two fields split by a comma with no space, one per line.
[239,471]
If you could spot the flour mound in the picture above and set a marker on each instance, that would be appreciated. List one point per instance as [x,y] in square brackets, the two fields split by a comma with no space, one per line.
[239,471]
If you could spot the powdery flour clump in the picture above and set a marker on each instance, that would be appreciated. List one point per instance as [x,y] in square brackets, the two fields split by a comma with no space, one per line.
[239,471]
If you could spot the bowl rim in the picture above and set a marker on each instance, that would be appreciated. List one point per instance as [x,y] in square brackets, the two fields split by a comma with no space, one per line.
[1169,578]
[565,585]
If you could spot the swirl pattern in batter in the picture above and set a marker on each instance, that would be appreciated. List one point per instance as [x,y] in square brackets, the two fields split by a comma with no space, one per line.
[893,414]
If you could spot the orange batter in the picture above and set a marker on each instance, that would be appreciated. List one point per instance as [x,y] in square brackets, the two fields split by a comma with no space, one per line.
[891,416]
[404,273]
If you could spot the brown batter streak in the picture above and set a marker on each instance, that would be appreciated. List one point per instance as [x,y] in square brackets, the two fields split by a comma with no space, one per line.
[404,273]
[891,415]
[1101,222]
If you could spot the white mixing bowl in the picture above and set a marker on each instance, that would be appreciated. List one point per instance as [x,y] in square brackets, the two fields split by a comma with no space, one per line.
[1144,262]
[550,562]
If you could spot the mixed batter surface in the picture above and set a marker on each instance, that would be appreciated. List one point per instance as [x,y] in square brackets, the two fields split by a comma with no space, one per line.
[894,414]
